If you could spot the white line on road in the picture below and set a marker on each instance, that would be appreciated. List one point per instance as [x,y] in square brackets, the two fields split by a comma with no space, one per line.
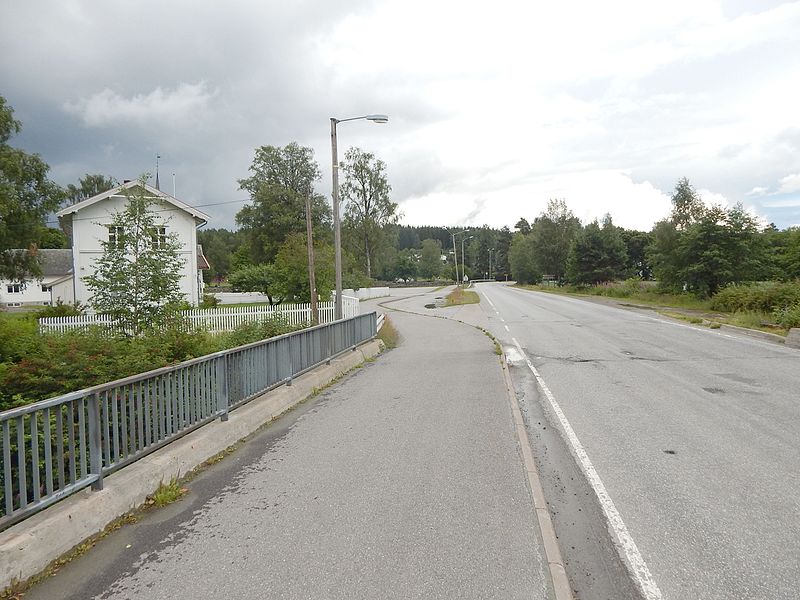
[642,576]
[507,329]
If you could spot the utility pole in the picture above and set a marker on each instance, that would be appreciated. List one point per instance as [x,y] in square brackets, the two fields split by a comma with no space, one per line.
[312,283]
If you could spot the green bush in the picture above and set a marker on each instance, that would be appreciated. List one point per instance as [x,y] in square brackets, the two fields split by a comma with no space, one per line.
[59,309]
[209,301]
[767,297]
[254,331]
[788,317]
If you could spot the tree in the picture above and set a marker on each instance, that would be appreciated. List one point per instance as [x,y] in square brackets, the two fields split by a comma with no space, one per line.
[687,206]
[523,226]
[137,278]
[280,181]
[719,247]
[636,245]
[406,266]
[53,238]
[257,278]
[430,263]
[26,197]
[521,260]
[291,269]
[597,254]
[368,208]
[219,247]
[553,232]
[88,187]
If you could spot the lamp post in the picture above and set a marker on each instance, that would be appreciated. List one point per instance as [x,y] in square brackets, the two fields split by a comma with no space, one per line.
[490,262]
[463,270]
[337,227]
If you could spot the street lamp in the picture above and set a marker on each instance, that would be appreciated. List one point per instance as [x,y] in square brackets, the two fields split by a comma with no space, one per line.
[463,270]
[490,262]
[337,227]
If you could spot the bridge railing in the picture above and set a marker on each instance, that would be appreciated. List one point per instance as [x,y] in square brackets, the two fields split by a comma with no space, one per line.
[56,447]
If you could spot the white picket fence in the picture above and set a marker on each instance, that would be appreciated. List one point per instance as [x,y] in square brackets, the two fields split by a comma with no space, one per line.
[217,320]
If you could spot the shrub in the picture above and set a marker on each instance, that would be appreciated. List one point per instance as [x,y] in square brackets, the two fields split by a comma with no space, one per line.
[209,301]
[59,309]
[788,317]
[766,297]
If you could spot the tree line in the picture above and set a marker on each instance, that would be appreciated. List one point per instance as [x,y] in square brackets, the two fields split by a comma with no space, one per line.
[698,248]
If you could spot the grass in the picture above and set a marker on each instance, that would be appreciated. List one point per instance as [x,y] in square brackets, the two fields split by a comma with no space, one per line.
[640,295]
[167,493]
[699,311]
[461,296]
[388,334]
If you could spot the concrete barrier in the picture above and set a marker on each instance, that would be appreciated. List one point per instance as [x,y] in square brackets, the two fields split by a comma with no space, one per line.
[793,339]
[27,548]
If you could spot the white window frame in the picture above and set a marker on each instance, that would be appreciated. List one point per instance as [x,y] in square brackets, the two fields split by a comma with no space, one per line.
[15,288]
[114,233]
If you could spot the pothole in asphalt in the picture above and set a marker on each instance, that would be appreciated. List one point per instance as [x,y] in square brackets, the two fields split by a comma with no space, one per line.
[430,306]
[714,390]
[670,451]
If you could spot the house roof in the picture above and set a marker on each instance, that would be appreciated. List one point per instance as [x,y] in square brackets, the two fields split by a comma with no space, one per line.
[199,216]
[55,262]
[202,261]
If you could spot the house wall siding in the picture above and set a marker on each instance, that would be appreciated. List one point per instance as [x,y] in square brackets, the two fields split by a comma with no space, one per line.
[90,228]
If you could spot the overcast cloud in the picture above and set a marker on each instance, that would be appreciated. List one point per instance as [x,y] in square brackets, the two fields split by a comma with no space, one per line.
[494,107]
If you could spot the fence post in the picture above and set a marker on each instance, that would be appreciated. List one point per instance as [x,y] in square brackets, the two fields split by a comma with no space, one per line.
[95,442]
[222,388]
[355,337]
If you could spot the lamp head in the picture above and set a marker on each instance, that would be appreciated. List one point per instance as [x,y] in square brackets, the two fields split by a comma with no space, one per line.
[377,118]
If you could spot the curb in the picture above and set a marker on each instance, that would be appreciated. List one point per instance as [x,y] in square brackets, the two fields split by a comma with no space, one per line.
[28,547]
[555,563]
[764,335]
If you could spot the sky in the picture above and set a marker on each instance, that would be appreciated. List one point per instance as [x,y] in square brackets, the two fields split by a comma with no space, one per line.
[494,107]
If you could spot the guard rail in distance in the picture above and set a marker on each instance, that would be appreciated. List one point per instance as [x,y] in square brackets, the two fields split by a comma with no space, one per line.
[53,448]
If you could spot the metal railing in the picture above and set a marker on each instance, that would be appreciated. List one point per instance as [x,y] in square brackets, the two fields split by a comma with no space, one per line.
[56,447]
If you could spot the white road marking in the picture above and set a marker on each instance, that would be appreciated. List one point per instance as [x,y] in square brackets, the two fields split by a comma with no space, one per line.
[507,329]
[643,577]
[490,302]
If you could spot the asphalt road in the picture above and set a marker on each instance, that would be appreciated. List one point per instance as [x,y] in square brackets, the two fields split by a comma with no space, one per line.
[402,481]
[694,434]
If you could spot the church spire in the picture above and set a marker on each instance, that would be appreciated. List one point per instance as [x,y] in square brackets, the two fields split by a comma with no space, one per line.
[158,187]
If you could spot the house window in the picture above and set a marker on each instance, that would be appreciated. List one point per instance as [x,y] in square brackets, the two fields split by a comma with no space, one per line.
[45,287]
[115,233]
[159,236]
[14,288]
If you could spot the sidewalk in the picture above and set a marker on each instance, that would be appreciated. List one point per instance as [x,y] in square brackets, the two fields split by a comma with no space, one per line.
[402,481]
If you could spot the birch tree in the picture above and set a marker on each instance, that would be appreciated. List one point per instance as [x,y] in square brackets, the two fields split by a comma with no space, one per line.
[137,278]
[368,208]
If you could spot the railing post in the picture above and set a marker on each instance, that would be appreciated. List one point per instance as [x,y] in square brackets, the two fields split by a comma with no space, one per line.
[355,333]
[95,442]
[328,339]
[291,360]
[223,400]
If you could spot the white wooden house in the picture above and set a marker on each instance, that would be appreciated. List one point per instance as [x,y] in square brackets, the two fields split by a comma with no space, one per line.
[87,223]
[36,291]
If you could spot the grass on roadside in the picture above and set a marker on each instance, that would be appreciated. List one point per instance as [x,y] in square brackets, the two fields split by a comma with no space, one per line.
[388,334]
[461,296]
[167,493]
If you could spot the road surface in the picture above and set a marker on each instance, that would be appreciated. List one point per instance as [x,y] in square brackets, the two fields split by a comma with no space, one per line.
[694,434]
[402,481]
